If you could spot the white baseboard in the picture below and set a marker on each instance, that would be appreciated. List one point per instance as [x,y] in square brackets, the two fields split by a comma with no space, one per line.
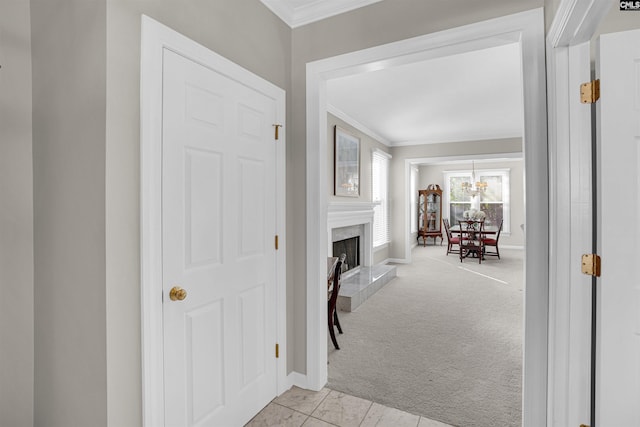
[299,380]
[517,247]
[396,260]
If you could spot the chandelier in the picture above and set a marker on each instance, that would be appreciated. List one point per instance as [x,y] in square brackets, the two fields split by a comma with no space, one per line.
[474,187]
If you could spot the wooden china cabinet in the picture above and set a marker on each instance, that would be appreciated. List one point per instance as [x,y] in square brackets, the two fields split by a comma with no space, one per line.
[430,214]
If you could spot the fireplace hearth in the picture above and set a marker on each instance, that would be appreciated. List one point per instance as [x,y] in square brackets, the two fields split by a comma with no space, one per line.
[349,227]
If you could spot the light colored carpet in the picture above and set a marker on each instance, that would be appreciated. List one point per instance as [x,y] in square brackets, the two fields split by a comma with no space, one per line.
[439,341]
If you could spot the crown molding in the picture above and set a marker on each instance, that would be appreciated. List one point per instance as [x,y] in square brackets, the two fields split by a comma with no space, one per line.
[462,137]
[357,125]
[296,16]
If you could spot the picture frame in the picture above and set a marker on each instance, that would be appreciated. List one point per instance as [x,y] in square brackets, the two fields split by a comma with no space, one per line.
[346,160]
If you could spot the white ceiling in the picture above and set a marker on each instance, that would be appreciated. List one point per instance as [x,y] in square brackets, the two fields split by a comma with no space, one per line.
[470,96]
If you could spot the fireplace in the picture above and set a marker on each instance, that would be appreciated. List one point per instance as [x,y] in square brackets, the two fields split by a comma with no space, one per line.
[350,247]
[351,222]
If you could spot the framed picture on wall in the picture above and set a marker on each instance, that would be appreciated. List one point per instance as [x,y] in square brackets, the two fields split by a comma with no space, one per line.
[346,160]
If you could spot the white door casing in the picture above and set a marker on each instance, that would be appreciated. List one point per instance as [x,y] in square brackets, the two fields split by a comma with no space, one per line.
[570,213]
[212,201]
[526,28]
[618,147]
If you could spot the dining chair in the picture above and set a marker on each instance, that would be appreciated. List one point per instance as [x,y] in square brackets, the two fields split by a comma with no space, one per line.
[492,242]
[451,239]
[471,243]
[333,291]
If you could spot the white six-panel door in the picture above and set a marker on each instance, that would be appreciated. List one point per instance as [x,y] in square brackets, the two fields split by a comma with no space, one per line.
[618,354]
[218,228]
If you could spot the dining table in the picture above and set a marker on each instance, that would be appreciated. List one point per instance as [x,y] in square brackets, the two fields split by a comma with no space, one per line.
[470,228]
[489,230]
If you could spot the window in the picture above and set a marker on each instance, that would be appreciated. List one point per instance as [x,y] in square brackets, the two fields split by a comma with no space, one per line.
[494,202]
[380,197]
[413,208]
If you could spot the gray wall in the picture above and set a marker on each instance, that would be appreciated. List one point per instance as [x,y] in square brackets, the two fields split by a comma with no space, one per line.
[367,144]
[16,217]
[433,174]
[69,89]
[618,20]
[550,9]
[615,21]
[86,73]
[380,23]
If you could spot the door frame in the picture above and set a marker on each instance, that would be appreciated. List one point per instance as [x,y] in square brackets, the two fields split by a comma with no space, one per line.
[156,38]
[568,66]
[526,28]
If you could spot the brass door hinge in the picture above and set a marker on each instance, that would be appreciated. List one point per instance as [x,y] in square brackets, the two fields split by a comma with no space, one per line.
[590,92]
[277,127]
[276,242]
[591,265]
[277,351]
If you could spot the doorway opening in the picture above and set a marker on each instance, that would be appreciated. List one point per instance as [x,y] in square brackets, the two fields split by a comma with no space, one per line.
[527,30]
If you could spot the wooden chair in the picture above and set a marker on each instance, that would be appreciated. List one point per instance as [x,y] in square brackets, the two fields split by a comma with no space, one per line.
[333,291]
[471,243]
[491,242]
[451,239]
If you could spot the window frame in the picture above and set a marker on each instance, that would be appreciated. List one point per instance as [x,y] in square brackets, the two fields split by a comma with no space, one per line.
[383,202]
[413,200]
[505,173]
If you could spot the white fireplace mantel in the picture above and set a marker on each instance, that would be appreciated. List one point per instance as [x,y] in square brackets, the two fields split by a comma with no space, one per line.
[345,214]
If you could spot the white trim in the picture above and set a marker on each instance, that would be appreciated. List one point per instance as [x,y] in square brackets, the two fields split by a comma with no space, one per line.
[344,214]
[380,183]
[505,173]
[381,247]
[412,199]
[515,247]
[155,38]
[398,260]
[576,21]
[568,65]
[356,124]
[312,11]
[465,158]
[297,379]
[408,165]
[458,138]
[526,27]
[478,171]
[382,153]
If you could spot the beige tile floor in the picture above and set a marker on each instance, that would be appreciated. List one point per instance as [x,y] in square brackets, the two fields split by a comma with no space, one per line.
[326,408]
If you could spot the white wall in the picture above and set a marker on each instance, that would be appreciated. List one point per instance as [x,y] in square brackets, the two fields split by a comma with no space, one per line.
[16,217]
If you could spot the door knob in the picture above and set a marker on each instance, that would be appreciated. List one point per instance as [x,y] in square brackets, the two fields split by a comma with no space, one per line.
[177,293]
